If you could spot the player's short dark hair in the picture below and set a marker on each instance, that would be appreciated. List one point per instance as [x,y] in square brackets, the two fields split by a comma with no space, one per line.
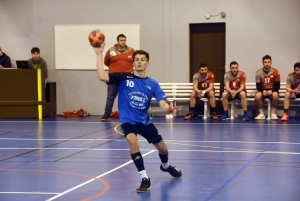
[35,49]
[267,57]
[233,63]
[141,52]
[297,65]
[202,65]
[120,36]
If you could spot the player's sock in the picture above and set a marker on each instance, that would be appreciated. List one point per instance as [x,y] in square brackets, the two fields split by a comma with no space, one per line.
[261,110]
[192,110]
[286,111]
[143,174]
[138,161]
[273,110]
[164,160]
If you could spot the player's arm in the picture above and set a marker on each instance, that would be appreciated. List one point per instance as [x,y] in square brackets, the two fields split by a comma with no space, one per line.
[242,83]
[211,83]
[289,88]
[277,82]
[258,83]
[196,89]
[102,75]
[227,87]
[167,108]
[242,87]
[107,58]
[210,88]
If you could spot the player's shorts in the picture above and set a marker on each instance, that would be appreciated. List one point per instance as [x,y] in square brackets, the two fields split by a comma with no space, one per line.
[297,95]
[205,96]
[149,132]
[237,97]
[269,97]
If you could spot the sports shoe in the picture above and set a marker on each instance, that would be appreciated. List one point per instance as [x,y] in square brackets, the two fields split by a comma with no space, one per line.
[246,117]
[174,172]
[215,116]
[189,116]
[285,117]
[105,117]
[224,117]
[145,186]
[274,116]
[260,116]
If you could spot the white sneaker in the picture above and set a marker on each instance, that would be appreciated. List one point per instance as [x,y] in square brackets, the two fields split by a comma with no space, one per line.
[261,116]
[274,116]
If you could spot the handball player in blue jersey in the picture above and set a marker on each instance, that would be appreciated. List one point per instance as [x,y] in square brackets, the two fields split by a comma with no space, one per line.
[135,92]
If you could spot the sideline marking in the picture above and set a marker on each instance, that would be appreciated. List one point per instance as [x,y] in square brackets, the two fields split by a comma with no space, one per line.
[42,193]
[89,181]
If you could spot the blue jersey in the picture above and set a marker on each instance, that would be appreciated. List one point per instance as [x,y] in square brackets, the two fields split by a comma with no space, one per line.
[134,97]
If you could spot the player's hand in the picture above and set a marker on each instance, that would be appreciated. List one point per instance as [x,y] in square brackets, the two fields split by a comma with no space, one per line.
[297,90]
[1,67]
[233,93]
[199,93]
[172,110]
[265,93]
[100,49]
[269,92]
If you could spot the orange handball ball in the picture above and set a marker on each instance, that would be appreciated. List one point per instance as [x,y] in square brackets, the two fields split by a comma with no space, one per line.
[96,38]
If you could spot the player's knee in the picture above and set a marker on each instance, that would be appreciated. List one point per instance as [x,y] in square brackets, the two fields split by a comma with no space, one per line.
[132,140]
[275,95]
[287,95]
[243,94]
[193,94]
[225,94]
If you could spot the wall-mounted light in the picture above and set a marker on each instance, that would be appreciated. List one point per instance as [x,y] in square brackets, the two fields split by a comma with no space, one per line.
[223,15]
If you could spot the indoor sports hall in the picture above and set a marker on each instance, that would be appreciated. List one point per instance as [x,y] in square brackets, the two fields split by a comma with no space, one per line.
[81,158]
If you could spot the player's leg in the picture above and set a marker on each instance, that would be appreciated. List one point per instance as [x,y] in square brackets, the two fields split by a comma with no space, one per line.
[132,140]
[286,105]
[259,105]
[150,133]
[112,92]
[164,157]
[243,98]
[212,101]
[275,101]
[191,113]
[225,96]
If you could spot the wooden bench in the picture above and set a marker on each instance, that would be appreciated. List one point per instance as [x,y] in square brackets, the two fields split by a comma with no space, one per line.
[251,91]
[176,92]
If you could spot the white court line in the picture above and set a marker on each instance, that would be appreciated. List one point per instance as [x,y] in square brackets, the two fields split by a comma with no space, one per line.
[183,150]
[42,193]
[195,141]
[89,181]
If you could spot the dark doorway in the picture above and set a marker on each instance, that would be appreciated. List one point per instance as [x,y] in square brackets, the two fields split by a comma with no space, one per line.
[207,45]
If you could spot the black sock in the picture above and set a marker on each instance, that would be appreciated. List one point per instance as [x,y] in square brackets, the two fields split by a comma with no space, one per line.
[164,158]
[213,109]
[192,110]
[138,161]
[286,111]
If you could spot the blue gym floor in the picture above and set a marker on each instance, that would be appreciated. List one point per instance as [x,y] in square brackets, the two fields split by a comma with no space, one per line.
[81,158]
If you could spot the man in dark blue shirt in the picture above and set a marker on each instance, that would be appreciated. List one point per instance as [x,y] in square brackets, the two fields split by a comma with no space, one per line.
[4,60]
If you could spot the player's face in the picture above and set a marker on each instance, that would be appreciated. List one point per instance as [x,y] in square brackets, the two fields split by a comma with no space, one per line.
[35,55]
[297,72]
[267,64]
[140,62]
[203,71]
[122,42]
[234,68]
